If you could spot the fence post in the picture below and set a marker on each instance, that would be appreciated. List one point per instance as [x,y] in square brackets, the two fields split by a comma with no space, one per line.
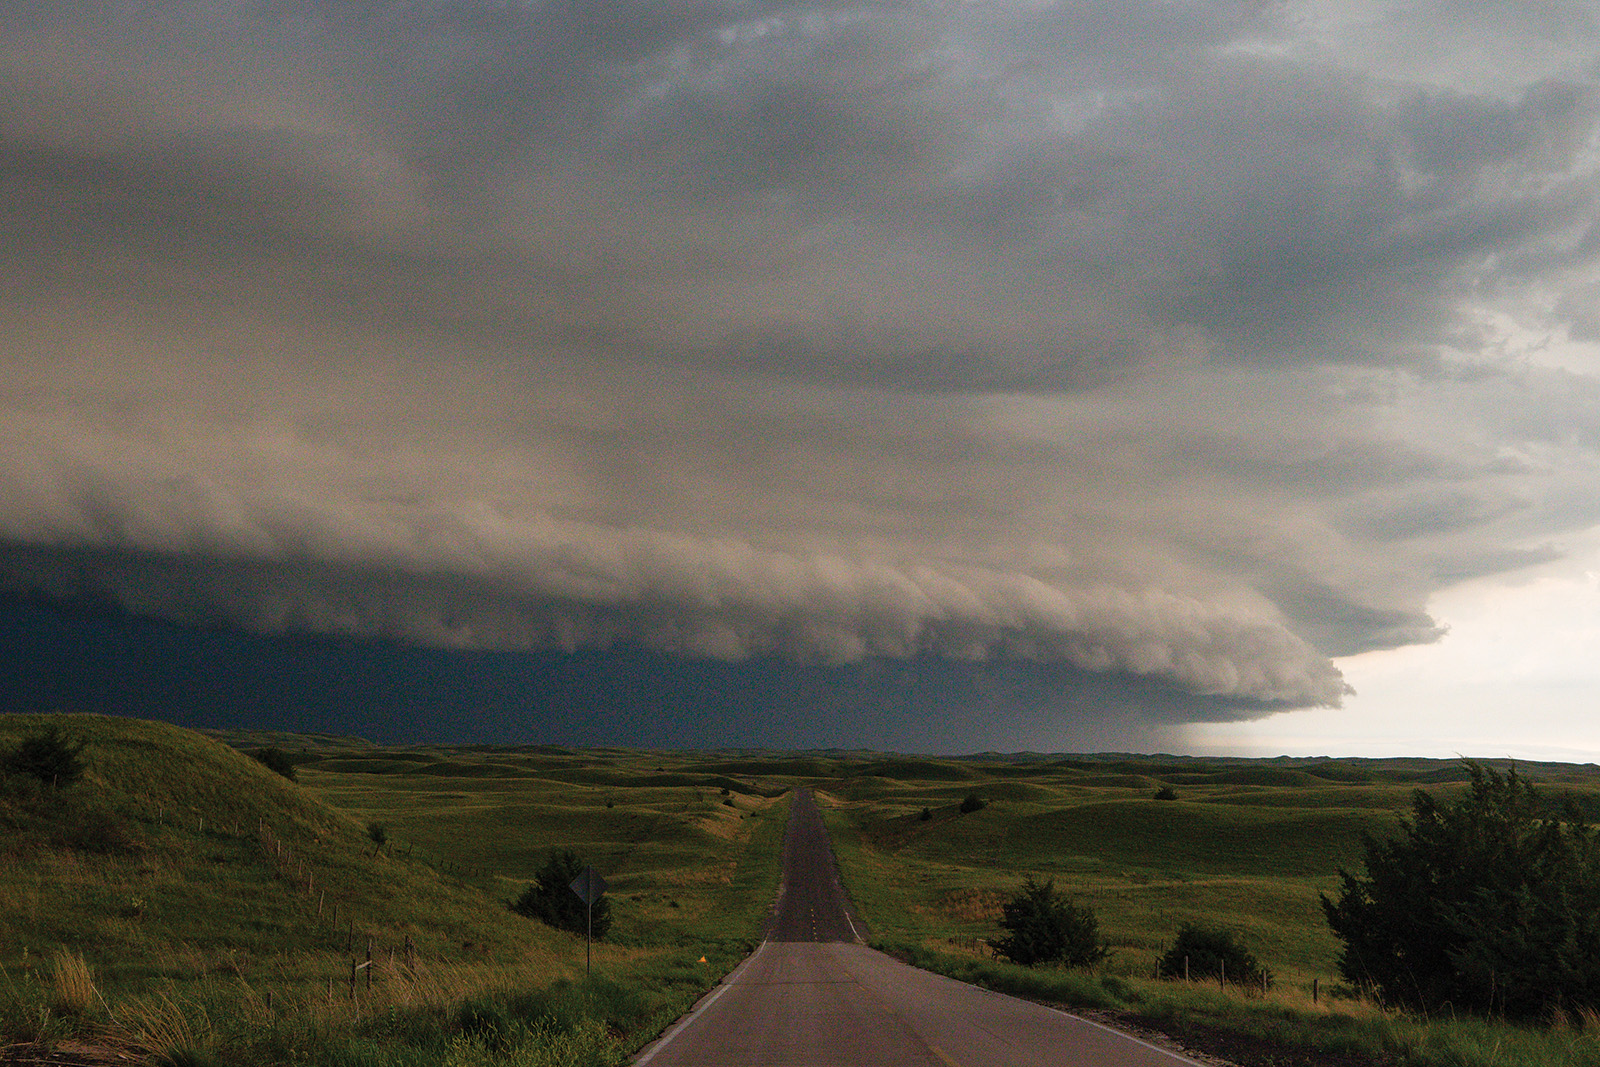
[352,978]
[1185,968]
[1314,982]
[1222,974]
[369,963]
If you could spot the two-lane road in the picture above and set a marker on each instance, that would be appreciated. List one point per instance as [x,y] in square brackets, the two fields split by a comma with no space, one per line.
[812,997]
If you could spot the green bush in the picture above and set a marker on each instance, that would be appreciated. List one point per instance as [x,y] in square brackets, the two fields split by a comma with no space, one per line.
[550,898]
[49,755]
[1044,927]
[1489,904]
[378,832]
[1211,952]
[972,803]
[1166,792]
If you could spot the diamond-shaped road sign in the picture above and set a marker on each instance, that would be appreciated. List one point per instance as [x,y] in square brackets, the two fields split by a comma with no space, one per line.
[589,886]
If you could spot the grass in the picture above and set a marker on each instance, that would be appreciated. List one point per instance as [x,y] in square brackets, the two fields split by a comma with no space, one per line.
[1251,847]
[179,903]
[184,900]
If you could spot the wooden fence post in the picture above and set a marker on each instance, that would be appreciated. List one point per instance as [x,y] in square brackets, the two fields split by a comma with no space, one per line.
[369,963]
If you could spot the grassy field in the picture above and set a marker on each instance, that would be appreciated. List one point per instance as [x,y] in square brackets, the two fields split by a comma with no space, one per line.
[183,896]
[1255,846]
[183,899]
[1245,846]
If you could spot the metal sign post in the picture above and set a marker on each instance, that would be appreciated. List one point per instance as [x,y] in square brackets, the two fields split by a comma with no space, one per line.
[590,887]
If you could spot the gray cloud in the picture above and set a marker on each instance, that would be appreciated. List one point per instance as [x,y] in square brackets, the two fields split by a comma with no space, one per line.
[1184,343]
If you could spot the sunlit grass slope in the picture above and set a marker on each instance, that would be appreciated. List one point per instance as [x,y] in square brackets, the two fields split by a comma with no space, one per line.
[179,858]
[1249,845]
[183,895]
[1245,846]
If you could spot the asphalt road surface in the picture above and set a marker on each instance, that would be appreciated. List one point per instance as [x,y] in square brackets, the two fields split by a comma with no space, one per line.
[813,996]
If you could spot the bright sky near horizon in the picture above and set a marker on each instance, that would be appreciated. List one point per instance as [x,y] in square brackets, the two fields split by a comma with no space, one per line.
[1517,676]
[1059,374]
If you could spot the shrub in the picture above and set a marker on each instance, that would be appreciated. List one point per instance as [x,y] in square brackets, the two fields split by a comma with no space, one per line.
[378,832]
[550,898]
[1044,927]
[1166,792]
[972,803]
[925,815]
[276,759]
[1488,904]
[49,755]
[1211,952]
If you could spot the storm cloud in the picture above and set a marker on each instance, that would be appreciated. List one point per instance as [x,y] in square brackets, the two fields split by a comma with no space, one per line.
[1148,357]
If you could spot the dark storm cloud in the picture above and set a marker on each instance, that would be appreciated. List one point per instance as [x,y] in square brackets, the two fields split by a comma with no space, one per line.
[1159,343]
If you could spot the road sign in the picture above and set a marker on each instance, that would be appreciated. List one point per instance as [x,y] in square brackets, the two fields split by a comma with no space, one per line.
[589,886]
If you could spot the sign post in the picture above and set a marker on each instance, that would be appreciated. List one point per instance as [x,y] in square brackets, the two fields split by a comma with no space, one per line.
[590,887]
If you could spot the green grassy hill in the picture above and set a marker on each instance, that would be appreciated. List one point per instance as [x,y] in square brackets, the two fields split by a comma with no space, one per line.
[183,895]
[1246,844]
[178,858]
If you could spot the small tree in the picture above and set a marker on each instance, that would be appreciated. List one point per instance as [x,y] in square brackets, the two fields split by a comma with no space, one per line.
[972,803]
[378,832]
[276,759]
[49,755]
[1211,952]
[1488,904]
[1166,792]
[550,898]
[1044,927]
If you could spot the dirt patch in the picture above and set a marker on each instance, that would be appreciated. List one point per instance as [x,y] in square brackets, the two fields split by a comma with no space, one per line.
[1223,1048]
[66,1054]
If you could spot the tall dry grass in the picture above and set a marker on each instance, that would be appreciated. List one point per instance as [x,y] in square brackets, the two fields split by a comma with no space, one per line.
[72,983]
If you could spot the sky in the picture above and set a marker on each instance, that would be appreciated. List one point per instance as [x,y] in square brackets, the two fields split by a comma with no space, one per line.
[1064,375]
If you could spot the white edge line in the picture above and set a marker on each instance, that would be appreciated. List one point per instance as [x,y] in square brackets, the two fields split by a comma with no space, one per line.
[1176,1056]
[695,1012]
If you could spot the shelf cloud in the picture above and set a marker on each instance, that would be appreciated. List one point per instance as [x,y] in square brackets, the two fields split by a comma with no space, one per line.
[1167,352]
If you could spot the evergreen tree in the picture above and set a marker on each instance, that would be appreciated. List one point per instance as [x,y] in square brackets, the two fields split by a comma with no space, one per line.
[550,898]
[1044,927]
[49,755]
[1210,952]
[1489,904]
